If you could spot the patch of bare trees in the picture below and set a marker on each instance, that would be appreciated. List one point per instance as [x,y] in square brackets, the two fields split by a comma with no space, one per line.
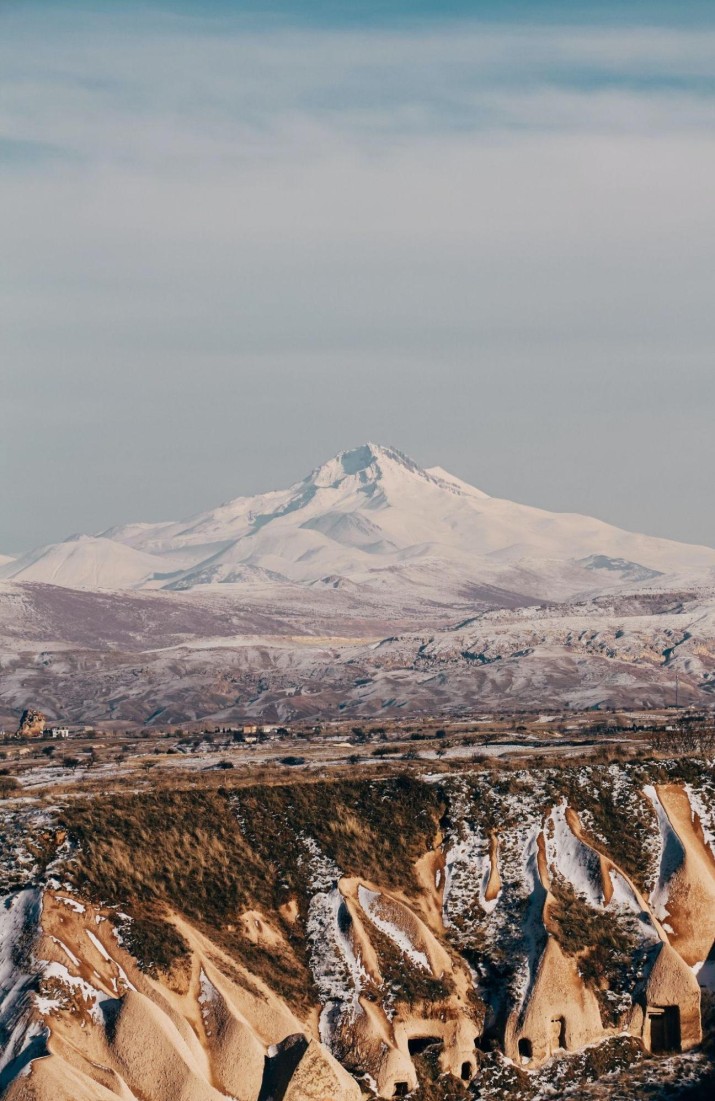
[693,734]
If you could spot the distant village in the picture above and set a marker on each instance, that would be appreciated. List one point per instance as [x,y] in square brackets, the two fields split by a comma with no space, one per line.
[34,724]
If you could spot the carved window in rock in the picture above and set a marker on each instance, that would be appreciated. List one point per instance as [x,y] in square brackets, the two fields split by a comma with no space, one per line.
[558,1033]
[417,1044]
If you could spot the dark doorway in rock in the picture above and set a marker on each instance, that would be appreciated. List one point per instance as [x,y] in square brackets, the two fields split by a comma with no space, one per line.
[401,1089]
[526,1050]
[466,1072]
[417,1044]
[558,1032]
[280,1067]
[664,1024]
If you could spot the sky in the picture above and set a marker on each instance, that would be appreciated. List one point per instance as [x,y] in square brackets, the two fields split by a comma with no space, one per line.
[236,238]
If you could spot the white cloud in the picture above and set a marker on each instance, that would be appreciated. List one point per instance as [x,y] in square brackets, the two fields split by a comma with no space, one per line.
[109,90]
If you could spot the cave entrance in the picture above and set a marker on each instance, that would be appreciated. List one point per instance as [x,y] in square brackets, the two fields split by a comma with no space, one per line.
[526,1050]
[417,1044]
[664,1022]
[401,1089]
[558,1033]
[466,1072]
[280,1067]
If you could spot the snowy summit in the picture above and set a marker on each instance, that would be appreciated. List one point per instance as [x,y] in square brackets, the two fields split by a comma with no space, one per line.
[369,517]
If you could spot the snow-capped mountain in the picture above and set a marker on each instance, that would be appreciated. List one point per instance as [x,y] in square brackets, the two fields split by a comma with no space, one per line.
[86,562]
[371,587]
[372,518]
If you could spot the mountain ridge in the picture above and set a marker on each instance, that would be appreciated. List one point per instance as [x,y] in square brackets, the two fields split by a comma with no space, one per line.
[367,510]
[370,587]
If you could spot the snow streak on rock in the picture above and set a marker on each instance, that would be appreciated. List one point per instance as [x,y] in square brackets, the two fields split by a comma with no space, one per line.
[672,855]
[374,906]
[337,971]
[702,804]
[510,928]
[22,1037]
[467,867]
[576,862]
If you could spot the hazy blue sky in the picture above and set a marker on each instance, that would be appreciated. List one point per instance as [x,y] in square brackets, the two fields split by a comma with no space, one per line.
[238,237]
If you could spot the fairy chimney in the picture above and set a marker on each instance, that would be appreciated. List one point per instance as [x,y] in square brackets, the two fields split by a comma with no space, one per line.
[32,724]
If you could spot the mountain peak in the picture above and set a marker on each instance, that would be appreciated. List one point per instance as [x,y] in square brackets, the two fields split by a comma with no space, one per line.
[369,461]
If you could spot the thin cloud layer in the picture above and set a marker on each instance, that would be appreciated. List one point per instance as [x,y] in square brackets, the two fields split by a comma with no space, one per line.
[265,215]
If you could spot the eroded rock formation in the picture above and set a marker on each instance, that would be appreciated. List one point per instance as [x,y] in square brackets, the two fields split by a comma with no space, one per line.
[32,724]
[529,924]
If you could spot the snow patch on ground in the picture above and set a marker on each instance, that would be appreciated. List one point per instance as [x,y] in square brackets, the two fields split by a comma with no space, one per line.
[121,975]
[22,1039]
[67,951]
[533,924]
[338,972]
[576,862]
[672,855]
[56,975]
[467,864]
[509,927]
[624,899]
[72,903]
[373,904]
[581,867]
[57,978]
[99,946]
[208,997]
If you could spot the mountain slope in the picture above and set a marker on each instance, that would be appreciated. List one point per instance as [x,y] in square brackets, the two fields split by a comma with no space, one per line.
[373,517]
[373,507]
[372,587]
[87,562]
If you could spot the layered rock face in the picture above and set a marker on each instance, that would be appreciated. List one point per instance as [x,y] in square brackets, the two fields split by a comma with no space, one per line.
[532,913]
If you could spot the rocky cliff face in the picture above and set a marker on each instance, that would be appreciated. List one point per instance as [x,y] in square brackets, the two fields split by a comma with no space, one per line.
[454,937]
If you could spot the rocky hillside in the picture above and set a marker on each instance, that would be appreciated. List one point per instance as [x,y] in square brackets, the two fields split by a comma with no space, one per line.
[489,933]
[172,658]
